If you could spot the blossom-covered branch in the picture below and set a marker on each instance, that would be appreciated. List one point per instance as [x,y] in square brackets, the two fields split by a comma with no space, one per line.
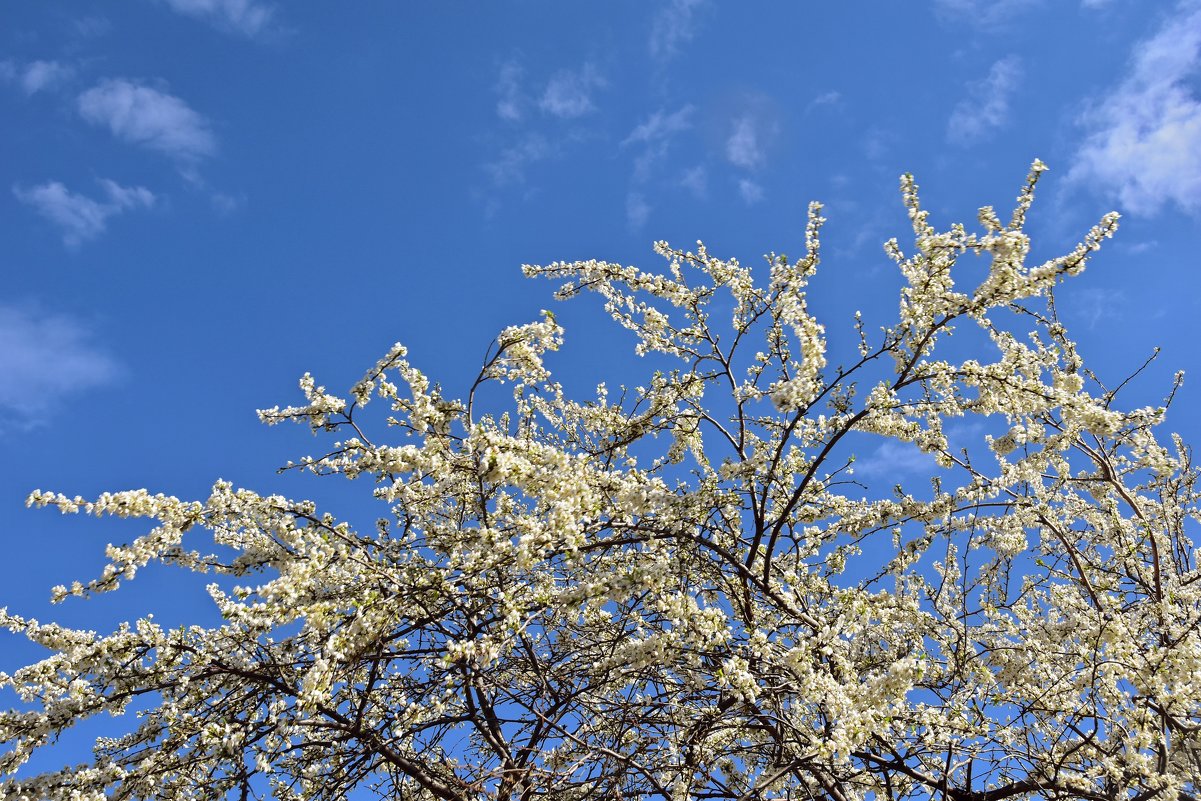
[681,589]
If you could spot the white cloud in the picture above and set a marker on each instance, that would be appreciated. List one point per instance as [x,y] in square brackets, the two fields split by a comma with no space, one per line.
[36,76]
[660,126]
[44,359]
[144,116]
[40,75]
[508,87]
[987,106]
[1143,141]
[744,147]
[91,27]
[750,191]
[225,203]
[246,17]
[673,26]
[569,93]
[696,181]
[511,165]
[830,98]
[984,13]
[878,143]
[655,136]
[79,217]
[637,210]
[895,458]
[1095,305]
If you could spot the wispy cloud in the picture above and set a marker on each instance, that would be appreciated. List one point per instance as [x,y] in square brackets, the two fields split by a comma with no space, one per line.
[744,146]
[508,89]
[878,143]
[637,210]
[830,98]
[895,458]
[79,217]
[224,203]
[527,139]
[652,138]
[510,166]
[567,95]
[1095,305]
[144,116]
[92,26]
[1138,248]
[44,359]
[986,108]
[750,191]
[247,17]
[696,181]
[36,76]
[661,126]
[984,13]
[1143,141]
[655,136]
[673,26]
[569,92]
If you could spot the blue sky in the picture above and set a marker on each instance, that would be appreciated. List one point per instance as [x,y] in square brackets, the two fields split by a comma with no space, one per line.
[202,199]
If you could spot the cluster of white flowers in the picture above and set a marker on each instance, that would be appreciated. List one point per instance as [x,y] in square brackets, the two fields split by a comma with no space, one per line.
[553,601]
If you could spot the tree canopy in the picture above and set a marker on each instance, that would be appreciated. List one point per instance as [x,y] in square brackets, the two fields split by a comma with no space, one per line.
[681,589]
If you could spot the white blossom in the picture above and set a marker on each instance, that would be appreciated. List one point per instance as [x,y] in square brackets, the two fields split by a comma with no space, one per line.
[678,588]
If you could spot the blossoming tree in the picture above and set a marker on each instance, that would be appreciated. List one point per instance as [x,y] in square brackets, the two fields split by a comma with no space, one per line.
[682,591]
